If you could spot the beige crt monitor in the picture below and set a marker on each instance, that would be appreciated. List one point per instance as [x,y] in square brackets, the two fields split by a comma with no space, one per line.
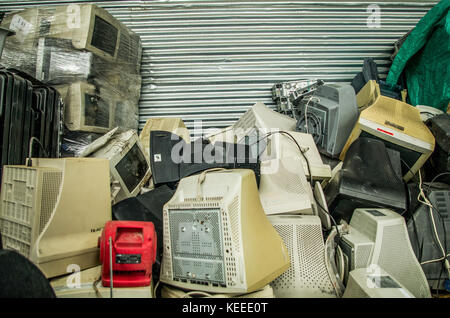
[53,212]
[86,284]
[380,237]
[259,118]
[217,237]
[369,94]
[280,146]
[86,108]
[399,126]
[168,291]
[262,117]
[94,29]
[283,188]
[26,25]
[129,168]
[374,282]
[173,125]
[307,277]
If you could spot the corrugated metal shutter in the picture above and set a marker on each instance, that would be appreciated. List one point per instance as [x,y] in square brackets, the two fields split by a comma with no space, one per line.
[212,60]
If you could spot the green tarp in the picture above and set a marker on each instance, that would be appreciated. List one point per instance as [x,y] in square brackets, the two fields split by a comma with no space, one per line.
[425,57]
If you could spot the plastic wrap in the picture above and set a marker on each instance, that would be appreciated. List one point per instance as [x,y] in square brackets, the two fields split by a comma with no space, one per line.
[95,108]
[83,50]
[75,142]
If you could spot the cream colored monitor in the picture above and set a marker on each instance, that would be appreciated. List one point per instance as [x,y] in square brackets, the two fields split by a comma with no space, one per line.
[380,237]
[399,126]
[217,237]
[168,291]
[129,168]
[94,29]
[86,108]
[262,117]
[374,282]
[307,277]
[283,188]
[53,212]
[86,284]
[280,146]
[173,125]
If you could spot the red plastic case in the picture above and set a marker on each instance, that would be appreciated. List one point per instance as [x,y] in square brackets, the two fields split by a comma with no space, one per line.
[133,253]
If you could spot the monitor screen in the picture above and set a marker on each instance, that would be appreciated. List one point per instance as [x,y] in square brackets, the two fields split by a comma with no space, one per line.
[408,156]
[104,36]
[132,167]
[96,111]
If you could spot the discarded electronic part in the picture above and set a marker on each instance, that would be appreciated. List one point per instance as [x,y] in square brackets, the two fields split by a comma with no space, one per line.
[287,94]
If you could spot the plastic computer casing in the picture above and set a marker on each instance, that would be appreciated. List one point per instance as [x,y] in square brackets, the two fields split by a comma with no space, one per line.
[129,167]
[217,237]
[81,285]
[367,179]
[88,109]
[284,189]
[399,126]
[331,113]
[94,29]
[262,117]
[374,283]
[440,128]
[423,237]
[53,212]
[307,277]
[173,125]
[280,146]
[380,237]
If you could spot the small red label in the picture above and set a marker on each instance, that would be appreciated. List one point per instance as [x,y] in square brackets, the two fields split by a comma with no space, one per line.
[386,132]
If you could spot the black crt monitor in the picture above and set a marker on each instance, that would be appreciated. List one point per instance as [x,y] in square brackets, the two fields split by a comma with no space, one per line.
[440,159]
[164,169]
[172,159]
[202,156]
[369,72]
[423,238]
[367,180]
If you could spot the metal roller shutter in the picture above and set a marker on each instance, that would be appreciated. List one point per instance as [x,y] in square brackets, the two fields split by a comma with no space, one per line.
[212,60]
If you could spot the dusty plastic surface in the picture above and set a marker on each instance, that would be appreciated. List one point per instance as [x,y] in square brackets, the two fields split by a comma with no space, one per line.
[65,45]
[423,57]
[97,108]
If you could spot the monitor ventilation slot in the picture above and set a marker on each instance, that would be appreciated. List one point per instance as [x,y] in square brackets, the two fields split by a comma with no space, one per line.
[51,184]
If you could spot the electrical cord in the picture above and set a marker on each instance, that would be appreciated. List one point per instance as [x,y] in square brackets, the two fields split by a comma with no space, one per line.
[30,149]
[97,292]
[310,174]
[338,293]
[298,146]
[428,203]
[306,111]
[409,168]
[155,289]
[434,179]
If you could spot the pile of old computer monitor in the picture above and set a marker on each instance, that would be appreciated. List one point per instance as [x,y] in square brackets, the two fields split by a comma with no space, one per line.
[315,200]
